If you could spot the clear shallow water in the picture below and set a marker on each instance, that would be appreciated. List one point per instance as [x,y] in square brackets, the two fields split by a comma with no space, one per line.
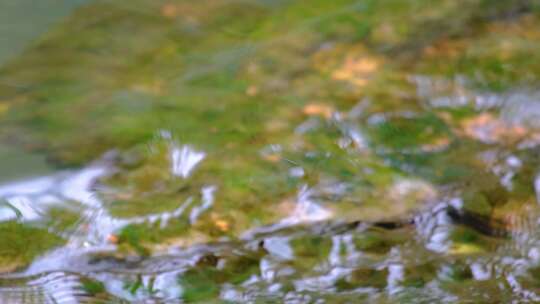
[435,255]
[296,154]
[24,21]
[20,164]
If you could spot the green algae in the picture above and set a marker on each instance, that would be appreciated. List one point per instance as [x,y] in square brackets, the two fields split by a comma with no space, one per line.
[178,70]
[265,88]
[477,203]
[203,283]
[21,244]
[148,100]
[378,241]
[93,287]
[17,164]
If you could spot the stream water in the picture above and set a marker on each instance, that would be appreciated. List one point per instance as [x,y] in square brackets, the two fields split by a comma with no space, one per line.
[270,152]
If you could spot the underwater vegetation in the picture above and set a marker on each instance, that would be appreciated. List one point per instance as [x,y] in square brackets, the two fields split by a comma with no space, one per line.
[226,151]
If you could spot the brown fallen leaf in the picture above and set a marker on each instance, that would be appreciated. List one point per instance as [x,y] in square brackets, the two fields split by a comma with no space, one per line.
[490,129]
[356,70]
[273,158]
[222,225]
[252,91]
[113,239]
[314,109]
[169,10]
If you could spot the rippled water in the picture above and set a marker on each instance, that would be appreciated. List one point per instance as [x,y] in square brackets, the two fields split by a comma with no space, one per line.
[302,258]
[271,152]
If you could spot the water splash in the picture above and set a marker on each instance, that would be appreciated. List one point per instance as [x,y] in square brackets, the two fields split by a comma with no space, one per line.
[207,202]
[307,209]
[184,159]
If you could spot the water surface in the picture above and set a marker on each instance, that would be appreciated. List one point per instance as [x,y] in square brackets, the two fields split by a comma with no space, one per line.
[272,151]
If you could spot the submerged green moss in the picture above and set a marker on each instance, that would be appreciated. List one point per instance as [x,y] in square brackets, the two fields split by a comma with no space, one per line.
[22,243]
[62,220]
[93,287]
[177,69]
[234,86]
[370,110]
[202,284]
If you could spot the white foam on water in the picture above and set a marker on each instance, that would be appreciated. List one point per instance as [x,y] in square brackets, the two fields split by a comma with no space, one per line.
[207,202]
[184,159]
[307,209]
